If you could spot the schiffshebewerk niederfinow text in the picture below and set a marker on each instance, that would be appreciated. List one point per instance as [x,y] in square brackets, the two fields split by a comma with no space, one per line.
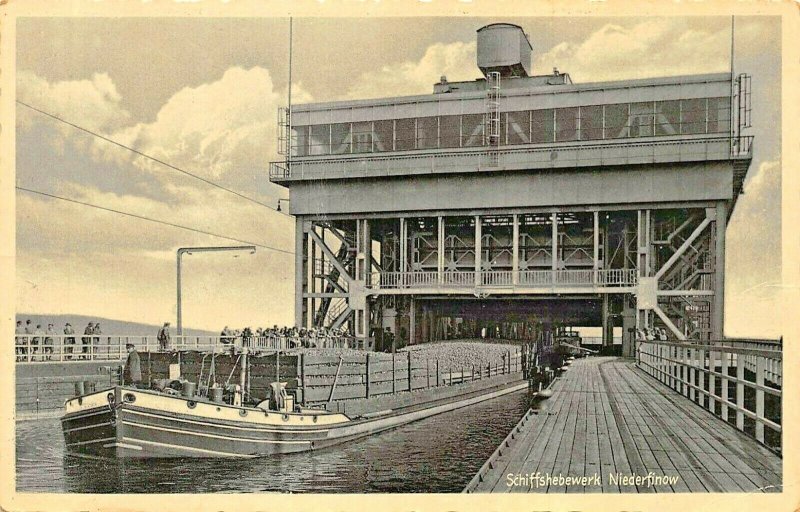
[541,480]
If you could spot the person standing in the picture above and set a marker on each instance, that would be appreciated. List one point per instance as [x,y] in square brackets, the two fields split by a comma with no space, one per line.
[164,340]
[87,342]
[37,340]
[19,340]
[69,343]
[132,374]
[26,341]
[96,339]
[49,342]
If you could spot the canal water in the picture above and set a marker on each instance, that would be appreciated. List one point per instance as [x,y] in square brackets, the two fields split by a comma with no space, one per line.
[437,454]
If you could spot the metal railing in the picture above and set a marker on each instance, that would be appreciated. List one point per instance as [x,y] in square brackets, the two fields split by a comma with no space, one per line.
[742,146]
[497,278]
[459,159]
[740,385]
[505,278]
[102,347]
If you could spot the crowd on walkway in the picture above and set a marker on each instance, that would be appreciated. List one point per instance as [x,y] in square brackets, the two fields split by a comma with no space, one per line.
[37,344]
[293,337]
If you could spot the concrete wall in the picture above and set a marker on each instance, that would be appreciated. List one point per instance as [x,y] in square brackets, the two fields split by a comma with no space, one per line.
[602,186]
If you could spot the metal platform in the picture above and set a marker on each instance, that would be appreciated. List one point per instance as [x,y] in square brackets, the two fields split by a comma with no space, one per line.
[606,417]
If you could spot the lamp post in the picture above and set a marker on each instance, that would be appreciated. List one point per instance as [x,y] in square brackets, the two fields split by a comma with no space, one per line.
[190,250]
[279,203]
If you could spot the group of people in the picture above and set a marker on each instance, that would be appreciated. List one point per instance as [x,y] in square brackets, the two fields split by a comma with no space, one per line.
[293,336]
[647,334]
[38,344]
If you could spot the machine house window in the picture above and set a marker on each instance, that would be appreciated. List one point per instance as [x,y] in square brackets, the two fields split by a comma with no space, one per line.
[590,122]
[542,125]
[518,127]
[427,133]
[340,138]
[404,134]
[566,124]
[450,131]
[362,137]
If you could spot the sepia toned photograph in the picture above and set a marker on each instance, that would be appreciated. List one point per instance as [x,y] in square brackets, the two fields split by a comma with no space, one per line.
[472,255]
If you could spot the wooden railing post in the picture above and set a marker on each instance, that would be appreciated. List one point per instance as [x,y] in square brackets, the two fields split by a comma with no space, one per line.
[438,375]
[712,382]
[701,376]
[428,371]
[409,371]
[690,368]
[760,360]
[367,377]
[394,377]
[724,359]
[739,391]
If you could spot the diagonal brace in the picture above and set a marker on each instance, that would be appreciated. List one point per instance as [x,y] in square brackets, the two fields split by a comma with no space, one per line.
[332,257]
[686,244]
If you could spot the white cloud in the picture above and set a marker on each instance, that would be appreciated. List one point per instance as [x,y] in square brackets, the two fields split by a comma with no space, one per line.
[214,128]
[454,60]
[94,103]
[658,47]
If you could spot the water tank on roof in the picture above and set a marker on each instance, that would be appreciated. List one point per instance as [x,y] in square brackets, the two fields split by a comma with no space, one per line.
[504,48]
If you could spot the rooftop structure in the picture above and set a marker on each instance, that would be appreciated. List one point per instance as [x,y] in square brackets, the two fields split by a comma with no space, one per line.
[518,199]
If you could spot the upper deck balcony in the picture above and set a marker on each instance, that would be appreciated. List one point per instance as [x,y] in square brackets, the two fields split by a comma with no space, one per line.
[676,119]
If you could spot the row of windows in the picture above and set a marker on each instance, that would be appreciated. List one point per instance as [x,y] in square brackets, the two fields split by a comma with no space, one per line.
[593,122]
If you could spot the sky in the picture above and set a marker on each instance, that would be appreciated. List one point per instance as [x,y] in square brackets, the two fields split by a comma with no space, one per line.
[203,95]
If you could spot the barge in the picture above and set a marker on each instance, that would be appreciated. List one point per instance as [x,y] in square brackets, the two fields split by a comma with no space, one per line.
[125,422]
[303,404]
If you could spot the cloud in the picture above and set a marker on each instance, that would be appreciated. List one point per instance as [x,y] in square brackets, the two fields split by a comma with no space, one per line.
[212,129]
[753,266]
[94,102]
[657,47]
[226,128]
[454,60]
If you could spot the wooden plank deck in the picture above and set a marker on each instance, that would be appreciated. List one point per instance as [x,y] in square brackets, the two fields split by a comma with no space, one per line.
[606,417]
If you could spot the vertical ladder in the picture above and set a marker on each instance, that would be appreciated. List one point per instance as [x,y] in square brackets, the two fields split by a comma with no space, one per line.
[492,130]
[284,139]
[740,113]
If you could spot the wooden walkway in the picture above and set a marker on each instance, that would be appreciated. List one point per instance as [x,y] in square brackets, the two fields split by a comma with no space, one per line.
[606,417]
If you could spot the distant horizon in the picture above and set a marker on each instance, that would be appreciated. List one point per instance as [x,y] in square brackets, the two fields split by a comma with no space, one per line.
[61,319]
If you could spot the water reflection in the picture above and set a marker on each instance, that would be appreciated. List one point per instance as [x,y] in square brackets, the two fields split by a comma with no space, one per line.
[438,454]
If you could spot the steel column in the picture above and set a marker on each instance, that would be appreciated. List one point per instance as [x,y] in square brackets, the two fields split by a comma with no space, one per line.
[718,312]
[440,250]
[515,251]
[478,250]
[403,245]
[554,242]
[596,244]
[299,269]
